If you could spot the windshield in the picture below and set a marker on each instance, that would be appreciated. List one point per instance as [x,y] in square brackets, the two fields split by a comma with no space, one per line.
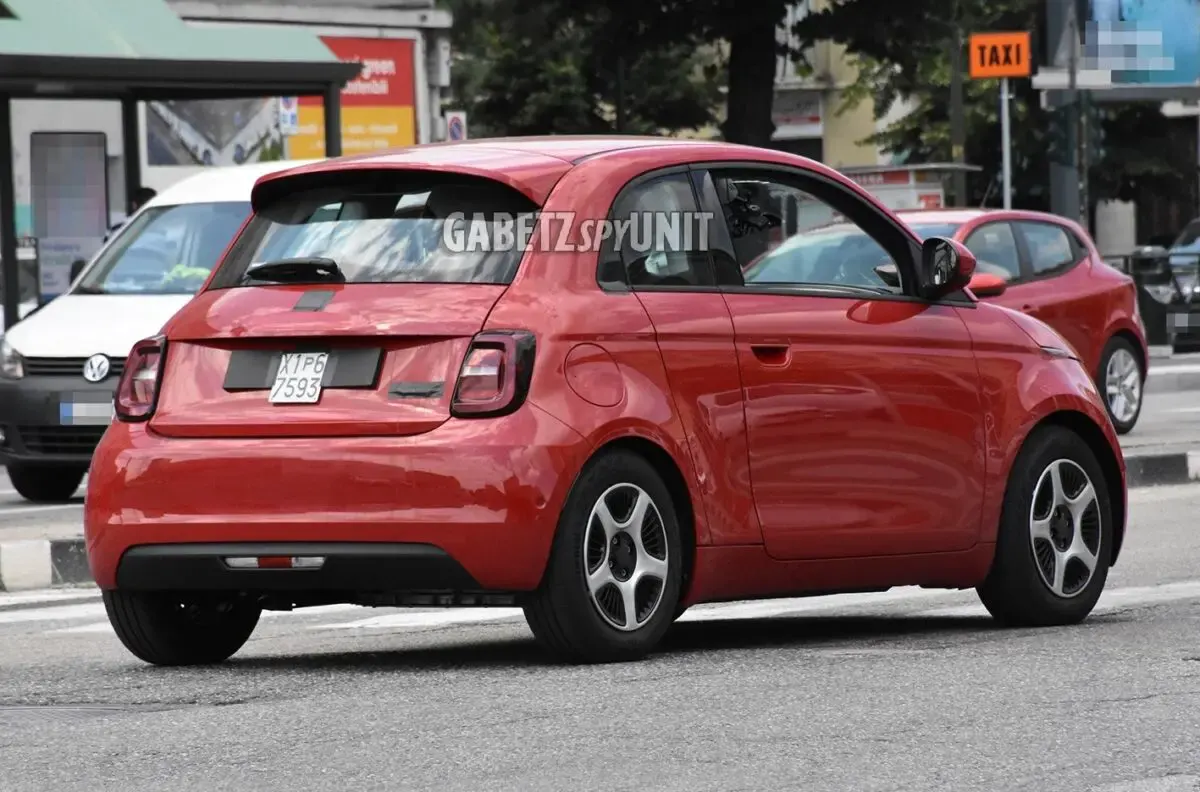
[840,254]
[442,230]
[166,250]
[928,230]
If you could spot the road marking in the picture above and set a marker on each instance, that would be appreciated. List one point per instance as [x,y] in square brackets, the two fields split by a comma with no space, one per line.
[31,509]
[46,595]
[1113,599]
[1184,410]
[1187,368]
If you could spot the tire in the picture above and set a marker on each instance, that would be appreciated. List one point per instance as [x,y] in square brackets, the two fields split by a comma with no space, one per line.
[1117,362]
[563,615]
[45,483]
[169,630]
[1020,588]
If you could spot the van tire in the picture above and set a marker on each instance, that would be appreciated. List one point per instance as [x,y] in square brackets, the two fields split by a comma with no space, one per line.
[45,483]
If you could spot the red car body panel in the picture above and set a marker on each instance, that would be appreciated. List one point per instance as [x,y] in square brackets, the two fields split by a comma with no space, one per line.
[906,416]
[1087,304]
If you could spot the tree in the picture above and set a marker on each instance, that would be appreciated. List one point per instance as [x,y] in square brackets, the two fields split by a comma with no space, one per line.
[522,68]
[909,58]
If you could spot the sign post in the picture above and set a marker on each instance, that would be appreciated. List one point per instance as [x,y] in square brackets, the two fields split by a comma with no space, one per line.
[1004,56]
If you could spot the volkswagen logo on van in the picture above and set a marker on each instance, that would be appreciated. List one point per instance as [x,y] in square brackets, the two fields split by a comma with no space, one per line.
[96,368]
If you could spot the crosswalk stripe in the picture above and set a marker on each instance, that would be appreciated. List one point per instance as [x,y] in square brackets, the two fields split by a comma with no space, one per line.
[924,601]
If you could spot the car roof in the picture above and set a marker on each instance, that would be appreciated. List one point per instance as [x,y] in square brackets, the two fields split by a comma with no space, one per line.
[220,183]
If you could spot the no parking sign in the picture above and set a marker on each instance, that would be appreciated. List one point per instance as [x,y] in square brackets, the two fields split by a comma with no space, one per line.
[456,125]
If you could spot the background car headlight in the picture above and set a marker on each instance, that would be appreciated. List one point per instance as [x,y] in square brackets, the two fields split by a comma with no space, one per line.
[11,365]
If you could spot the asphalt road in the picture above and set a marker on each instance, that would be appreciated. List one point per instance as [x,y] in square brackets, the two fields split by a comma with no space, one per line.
[908,690]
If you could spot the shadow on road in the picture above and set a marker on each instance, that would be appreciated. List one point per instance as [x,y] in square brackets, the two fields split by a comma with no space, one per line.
[865,634]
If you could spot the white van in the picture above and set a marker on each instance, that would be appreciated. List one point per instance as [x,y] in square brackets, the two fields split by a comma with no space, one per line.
[60,365]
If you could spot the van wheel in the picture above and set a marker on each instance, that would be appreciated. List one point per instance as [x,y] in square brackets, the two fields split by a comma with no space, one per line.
[1055,542]
[45,483]
[168,630]
[1121,380]
[612,583]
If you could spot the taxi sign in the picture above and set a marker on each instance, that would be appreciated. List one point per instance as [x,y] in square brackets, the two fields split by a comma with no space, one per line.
[1000,55]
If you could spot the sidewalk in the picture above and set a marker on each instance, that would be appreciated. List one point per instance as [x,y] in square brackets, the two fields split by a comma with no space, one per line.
[41,556]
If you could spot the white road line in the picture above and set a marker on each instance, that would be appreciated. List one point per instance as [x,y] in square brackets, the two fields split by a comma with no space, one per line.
[45,595]
[1133,596]
[32,509]
[1187,368]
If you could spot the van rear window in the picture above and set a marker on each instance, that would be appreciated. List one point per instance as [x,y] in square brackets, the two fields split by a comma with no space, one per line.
[409,228]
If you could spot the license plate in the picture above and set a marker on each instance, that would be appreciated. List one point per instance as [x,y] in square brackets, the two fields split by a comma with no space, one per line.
[85,413]
[299,378]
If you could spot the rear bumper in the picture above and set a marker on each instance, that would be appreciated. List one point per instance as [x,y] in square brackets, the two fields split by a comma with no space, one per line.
[41,425]
[472,505]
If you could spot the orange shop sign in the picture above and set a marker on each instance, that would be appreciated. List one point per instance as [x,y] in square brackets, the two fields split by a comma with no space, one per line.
[1000,55]
[378,106]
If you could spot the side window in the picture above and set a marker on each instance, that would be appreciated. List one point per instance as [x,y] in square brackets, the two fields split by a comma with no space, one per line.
[1050,248]
[658,234]
[995,249]
[784,235]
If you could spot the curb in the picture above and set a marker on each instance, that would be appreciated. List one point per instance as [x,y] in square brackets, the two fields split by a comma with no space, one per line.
[42,563]
[1155,470]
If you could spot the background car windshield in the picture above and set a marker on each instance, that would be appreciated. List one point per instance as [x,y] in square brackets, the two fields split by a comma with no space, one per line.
[840,254]
[448,232]
[927,230]
[166,250]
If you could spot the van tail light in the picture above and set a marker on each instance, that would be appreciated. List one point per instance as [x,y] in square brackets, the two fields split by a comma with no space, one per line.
[137,394]
[495,374]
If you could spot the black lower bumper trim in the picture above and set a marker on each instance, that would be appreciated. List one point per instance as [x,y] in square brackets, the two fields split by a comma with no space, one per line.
[348,567]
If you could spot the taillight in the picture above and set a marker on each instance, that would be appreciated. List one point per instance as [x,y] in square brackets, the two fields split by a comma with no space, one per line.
[495,374]
[137,395]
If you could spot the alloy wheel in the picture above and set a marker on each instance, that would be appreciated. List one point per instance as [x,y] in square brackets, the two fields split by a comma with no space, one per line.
[625,557]
[1123,385]
[1065,528]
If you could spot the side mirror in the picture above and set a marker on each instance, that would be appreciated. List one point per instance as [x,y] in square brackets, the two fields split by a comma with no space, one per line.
[77,267]
[946,267]
[985,285]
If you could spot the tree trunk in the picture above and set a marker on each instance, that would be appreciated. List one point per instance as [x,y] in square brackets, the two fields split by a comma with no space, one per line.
[752,63]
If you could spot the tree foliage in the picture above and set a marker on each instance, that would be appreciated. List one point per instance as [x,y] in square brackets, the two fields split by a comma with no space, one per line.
[908,56]
[522,68]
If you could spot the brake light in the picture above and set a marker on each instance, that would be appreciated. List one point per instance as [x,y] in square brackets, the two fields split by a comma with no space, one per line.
[495,374]
[137,394]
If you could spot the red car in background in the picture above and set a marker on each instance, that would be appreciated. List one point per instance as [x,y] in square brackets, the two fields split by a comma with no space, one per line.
[373,401]
[1048,267]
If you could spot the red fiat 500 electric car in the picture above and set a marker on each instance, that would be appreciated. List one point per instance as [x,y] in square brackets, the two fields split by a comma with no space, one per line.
[1048,267]
[381,398]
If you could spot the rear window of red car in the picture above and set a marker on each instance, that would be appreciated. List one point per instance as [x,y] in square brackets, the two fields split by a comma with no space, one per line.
[389,227]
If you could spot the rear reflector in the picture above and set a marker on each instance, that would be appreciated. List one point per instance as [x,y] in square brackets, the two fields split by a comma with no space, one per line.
[275,562]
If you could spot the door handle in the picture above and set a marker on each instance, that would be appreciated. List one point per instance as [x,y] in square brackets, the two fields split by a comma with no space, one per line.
[771,354]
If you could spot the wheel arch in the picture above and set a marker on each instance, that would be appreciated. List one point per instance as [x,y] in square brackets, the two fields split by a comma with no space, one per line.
[664,464]
[1082,425]
[1138,350]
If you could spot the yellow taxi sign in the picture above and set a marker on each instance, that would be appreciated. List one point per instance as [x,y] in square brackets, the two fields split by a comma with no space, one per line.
[996,55]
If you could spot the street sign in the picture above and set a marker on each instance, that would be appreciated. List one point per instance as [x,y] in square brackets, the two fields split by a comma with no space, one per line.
[456,125]
[1000,55]
[289,115]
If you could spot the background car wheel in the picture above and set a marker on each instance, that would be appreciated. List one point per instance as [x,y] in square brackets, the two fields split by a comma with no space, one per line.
[1121,379]
[612,582]
[1055,541]
[170,630]
[45,483]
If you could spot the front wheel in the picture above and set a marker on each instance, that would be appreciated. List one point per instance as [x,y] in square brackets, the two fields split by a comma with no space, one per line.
[1121,381]
[169,630]
[1056,535]
[612,583]
[45,483]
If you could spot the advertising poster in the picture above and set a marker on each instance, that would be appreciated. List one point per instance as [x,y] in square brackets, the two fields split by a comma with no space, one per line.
[378,107]
[1144,42]
[378,112]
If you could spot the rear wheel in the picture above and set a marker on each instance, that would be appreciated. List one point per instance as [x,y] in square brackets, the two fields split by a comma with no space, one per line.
[170,630]
[45,483]
[1056,535]
[1121,381]
[612,583]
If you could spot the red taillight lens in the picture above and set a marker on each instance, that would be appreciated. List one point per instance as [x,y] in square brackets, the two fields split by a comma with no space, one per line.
[495,375]
[137,395]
